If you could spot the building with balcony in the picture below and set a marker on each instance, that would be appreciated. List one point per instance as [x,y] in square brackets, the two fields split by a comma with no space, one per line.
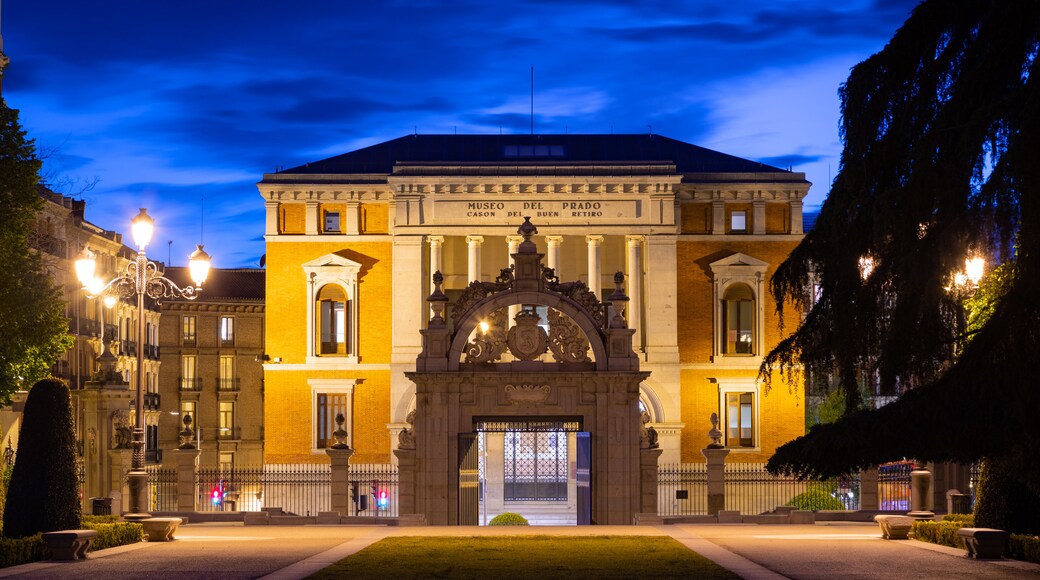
[212,348]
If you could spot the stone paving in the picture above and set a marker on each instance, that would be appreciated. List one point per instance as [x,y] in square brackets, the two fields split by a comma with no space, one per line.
[826,550]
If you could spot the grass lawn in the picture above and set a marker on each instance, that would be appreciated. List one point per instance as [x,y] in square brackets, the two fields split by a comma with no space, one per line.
[534,557]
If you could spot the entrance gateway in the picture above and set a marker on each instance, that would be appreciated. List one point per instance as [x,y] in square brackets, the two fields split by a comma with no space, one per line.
[544,367]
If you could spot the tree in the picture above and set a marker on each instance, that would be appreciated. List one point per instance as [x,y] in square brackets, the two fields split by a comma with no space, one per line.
[32,311]
[44,493]
[940,131]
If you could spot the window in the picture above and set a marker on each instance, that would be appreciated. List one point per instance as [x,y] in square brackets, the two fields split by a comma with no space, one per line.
[740,419]
[227,330]
[226,415]
[227,461]
[188,330]
[332,324]
[738,221]
[738,320]
[332,222]
[189,374]
[330,397]
[227,380]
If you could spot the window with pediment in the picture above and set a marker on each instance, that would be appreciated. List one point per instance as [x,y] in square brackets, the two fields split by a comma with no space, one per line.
[738,316]
[332,309]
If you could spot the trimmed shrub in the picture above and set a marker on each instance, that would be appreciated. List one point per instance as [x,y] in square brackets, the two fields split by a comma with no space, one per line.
[23,550]
[1024,548]
[1003,501]
[508,519]
[110,535]
[942,533]
[44,493]
[815,499]
[89,521]
[965,520]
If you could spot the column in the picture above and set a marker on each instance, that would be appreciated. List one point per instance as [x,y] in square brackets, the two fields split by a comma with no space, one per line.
[311,217]
[716,459]
[758,217]
[271,208]
[352,220]
[339,480]
[474,242]
[634,271]
[594,243]
[187,489]
[796,217]
[514,246]
[660,329]
[718,216]
[553,256]
[436,261]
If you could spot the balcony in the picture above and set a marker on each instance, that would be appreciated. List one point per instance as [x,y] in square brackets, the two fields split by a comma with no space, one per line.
[151,351]
[188,340]
[128,348]
[86,326]
[153,456]
[111,332]
[191,384]
[228,385]
[151,401]
[231,434]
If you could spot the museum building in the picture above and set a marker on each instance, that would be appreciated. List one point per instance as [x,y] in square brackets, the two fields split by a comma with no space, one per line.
[498,359]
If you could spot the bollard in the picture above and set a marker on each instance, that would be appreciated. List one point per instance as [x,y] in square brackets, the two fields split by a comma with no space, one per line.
[921,494]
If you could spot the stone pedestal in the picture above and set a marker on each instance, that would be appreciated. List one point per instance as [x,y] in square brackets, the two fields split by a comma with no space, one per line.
[716,479]
[921,494]
[868,490]
[405,481]
[648,480]
[340,481]
[187,493]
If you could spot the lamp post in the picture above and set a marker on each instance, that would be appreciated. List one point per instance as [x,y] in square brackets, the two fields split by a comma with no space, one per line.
[142,278]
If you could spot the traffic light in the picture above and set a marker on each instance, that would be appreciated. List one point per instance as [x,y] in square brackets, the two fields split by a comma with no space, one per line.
[382,500]
[216,495]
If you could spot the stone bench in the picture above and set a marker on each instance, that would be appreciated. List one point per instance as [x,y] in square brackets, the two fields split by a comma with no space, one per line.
[983,543]
[160,529]
[895,527]
[69,544]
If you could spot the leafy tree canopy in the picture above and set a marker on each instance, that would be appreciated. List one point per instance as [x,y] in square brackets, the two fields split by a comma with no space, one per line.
[32,311]
[941,132]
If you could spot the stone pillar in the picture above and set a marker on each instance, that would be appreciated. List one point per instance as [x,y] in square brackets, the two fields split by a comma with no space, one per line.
[660,327]
[436,256]
[758,217]
[271,223]
[352,221]
[340,480]
[796,217]
[648,480]
[718,216]
[716,479]
[514,245]
[921,494]
[868,490]
[634,267]
[552,258]
[594,243]
[119,465]
[187,490]
[405,481]
[474,242]
[311,218]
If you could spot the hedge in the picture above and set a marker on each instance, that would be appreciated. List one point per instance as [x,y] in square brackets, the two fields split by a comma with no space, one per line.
[1024,548]
[508,519]
[15,551]
[965,520]
[115,534]
[942,533]
[815,499]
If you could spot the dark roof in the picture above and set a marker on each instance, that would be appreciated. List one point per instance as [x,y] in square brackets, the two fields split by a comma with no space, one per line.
[532,149]
[226,284]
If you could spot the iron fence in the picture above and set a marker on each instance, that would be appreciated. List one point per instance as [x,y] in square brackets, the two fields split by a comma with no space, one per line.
[162,488]
[973,481]
[894,486]
[300,489]
[749,488]
[377,483]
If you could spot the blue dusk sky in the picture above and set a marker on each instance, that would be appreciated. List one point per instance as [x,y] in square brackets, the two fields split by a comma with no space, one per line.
[176,106]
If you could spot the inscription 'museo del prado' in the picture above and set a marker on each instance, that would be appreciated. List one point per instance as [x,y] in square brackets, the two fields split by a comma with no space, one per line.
[547,211]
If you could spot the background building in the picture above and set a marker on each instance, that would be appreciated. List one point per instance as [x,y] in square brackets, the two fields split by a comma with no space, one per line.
[212,348]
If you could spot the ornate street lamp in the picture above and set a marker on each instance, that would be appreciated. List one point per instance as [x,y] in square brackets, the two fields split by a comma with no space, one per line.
[141,278]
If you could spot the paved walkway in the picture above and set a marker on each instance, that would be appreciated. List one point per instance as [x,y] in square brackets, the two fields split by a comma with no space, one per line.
[826,550]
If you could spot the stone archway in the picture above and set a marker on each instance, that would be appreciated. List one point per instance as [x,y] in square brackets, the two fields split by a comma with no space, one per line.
[462,379]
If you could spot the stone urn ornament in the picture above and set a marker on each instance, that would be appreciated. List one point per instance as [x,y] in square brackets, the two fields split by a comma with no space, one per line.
[715,434]
[340,434]
[187,436]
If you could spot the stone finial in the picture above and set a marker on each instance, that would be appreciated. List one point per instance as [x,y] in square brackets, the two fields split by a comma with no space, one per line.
[340,434]
[437,299]
[187,436]
[714,433]
[527,230]
[618,299]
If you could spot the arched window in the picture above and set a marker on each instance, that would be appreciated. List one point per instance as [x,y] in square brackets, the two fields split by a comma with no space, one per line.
[738,320]
[331,309]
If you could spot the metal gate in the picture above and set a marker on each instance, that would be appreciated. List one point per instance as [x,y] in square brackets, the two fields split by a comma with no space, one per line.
[583,461]
[469,480]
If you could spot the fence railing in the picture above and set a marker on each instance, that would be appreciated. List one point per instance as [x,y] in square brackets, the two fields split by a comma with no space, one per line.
[682,489]
[378,484]
[301,489]
[162,488]
[893,482]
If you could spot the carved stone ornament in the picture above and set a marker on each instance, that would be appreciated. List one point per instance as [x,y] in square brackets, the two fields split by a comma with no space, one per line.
[527,394]
[578,292]
[527,340]
[340,434]
[406,438]
[187,436]
[566,341]
[714,433]
[488,346]
[122,434]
